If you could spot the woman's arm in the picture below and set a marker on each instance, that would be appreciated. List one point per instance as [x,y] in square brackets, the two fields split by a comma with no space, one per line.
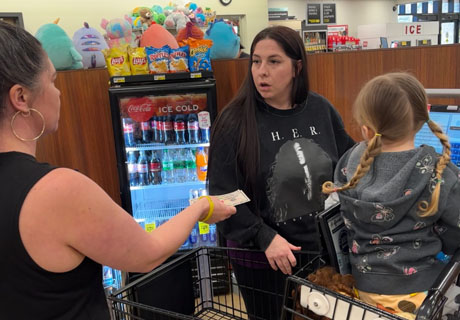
[66,216]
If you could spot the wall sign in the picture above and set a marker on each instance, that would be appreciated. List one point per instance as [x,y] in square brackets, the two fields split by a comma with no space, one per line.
[328,12]
[313,13]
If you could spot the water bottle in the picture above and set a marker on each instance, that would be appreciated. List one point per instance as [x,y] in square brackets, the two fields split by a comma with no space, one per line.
[190,165]
[143,169]
[193,238]
[132,169]
[167,165]
[128,131]
[212,234]
[179,166]
[192,129]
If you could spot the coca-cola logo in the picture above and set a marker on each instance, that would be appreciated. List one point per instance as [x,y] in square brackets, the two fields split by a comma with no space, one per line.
[139,61]
[117,60]
[139,109]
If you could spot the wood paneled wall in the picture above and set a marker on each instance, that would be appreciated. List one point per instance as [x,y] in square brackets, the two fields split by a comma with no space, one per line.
[85,142]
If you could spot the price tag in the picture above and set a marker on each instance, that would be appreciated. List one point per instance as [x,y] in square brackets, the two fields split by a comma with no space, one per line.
[204,119]
[159,77]
[204,227]
[119,80]
[195,75]
[149,227]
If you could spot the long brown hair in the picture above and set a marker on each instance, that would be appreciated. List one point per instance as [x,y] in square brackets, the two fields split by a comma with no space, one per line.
[240,113]
[394,106]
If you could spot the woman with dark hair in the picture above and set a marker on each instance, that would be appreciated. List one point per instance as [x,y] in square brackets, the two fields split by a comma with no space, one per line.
[57,227]
[278,142]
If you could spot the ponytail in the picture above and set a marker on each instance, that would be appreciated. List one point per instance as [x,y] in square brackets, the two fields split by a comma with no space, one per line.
[429,209]
[374,147]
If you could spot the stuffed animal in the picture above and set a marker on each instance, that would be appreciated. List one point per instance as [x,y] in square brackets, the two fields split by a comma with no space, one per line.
[89,43]
[226,44]
[59,47]
[144,17]
[210,15]
[190,31]
[157,36]
[158,15]
[118,31]
[176,20]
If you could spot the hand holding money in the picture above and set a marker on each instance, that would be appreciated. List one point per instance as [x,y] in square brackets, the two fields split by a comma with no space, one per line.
[231,199]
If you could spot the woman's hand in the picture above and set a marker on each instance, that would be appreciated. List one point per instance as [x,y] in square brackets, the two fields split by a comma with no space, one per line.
[221,211]
[279,255]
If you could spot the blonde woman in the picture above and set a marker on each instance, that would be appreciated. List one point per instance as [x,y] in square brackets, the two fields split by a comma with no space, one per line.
[401,203]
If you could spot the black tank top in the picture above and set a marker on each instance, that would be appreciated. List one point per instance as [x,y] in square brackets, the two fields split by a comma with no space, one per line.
[28,291]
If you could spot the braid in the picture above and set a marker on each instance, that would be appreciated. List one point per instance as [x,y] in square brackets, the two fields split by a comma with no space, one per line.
[374,147]
[429,209]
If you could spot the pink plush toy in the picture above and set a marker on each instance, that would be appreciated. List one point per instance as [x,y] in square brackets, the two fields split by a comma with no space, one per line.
[118,31]
[156,36]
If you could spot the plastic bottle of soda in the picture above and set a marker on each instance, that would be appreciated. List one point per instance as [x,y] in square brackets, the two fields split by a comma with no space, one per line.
[146,132]
[128,131]
[153,125]
[179,166]
[168,130]
[160,125]
[201,164]
[167,165]
[193,129]
[143,169]
[190,165]
[132,169]
[155,169]
[179,129]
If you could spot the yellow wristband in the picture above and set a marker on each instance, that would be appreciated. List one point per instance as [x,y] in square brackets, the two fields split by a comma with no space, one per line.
[211,208]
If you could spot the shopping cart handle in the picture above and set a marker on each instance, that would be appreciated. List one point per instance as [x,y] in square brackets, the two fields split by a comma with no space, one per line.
[443,282]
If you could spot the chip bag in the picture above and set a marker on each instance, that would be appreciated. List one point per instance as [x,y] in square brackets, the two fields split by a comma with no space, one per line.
[138,61]
[158,59]
[117,61]
[178,60]
[199,54]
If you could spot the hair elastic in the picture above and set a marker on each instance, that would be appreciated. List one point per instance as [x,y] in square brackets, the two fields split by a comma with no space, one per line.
[428,121]
[211,208]
[378,135]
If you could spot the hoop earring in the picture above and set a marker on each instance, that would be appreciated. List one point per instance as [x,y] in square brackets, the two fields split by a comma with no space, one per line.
[26,115]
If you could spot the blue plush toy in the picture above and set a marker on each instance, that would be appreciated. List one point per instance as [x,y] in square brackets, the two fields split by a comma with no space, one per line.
[59,47]
[89,43]
[226,44]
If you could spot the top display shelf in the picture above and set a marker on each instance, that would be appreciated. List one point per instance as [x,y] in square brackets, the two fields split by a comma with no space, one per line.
[160,77]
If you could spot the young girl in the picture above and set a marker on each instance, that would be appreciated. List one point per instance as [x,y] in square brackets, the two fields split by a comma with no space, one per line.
[400,203]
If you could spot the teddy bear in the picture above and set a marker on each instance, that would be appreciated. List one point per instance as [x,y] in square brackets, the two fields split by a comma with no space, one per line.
[143,17]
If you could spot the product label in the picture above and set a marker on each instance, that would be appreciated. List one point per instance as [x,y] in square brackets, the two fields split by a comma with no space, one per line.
[193,125]
[154,167]
[204,227]
[142,168]
[168,165]
[128,128]
[204,119]
[167,125]
[149,227]
[179,126]
[145,126]
[132,168]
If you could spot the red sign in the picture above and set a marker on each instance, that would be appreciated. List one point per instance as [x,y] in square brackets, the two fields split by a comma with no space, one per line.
[139,109]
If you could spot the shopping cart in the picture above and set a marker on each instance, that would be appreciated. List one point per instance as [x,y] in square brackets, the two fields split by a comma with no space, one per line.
[215,293]
[307,300]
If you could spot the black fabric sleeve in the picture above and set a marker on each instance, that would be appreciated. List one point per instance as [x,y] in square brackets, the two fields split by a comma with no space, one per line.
[245,227]
[343,140]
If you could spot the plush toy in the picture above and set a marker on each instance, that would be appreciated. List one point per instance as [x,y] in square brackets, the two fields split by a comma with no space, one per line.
[226,44]
[210,15]
[157,36]
[118,31]
[143,17]
[158,15]
[176,20]
[59,47]
[190,31]
[89,43]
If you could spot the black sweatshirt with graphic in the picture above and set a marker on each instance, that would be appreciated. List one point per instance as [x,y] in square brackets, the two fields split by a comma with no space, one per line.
[299,149]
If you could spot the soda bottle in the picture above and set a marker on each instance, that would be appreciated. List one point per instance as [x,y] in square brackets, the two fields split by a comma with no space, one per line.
[146,132]
[128,131]
[168,130]
[190,165]
[132,169]
[201,164]
[153,125]
[179,129]
[204,122]
[168,167]
[160,125]
[155,169]
[193,128]
[143,169]
[179,166]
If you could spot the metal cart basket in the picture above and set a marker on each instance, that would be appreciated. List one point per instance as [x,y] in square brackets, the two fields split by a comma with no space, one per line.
[214,291]
[314,302]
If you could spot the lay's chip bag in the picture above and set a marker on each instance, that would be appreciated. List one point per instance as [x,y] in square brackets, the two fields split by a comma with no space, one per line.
[199,54]
[117,61]
[158,59]
[178,59]
[138,61]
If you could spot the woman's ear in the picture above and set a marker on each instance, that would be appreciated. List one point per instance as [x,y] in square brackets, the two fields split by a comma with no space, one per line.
[367,133]
[19,98]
